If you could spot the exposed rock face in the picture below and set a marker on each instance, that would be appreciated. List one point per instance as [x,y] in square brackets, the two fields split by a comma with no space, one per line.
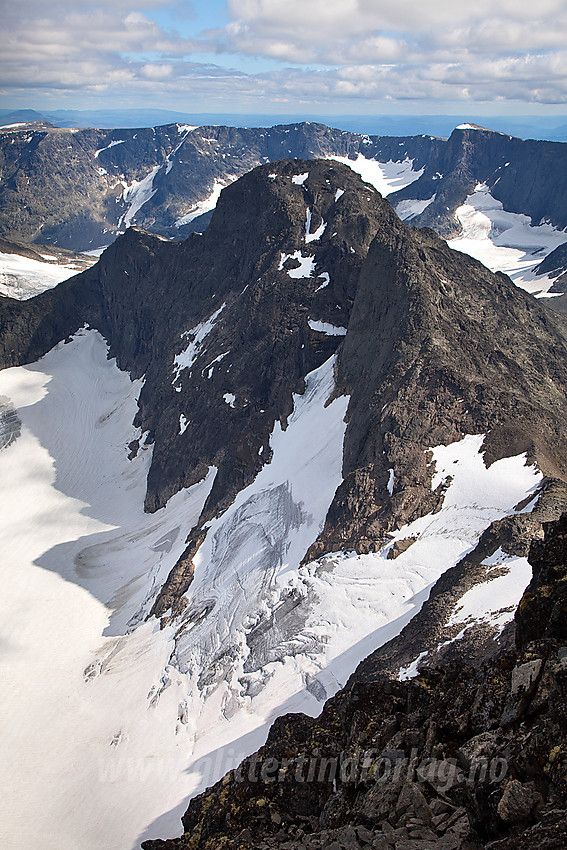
[78,189]
[433,352]
[555,265]
[301,261]
[458,758]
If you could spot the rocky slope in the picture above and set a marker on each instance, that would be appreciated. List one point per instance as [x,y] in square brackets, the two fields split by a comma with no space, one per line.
[457,758]
[79,188]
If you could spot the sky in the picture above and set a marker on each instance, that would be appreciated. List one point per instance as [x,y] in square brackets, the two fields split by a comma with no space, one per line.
[287,56]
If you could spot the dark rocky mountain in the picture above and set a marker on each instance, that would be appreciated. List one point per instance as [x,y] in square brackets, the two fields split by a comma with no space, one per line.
[301,261]
[80,188]
[555,265]
[433,350]
[459,758]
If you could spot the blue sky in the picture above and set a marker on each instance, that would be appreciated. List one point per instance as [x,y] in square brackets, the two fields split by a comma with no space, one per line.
[287,56]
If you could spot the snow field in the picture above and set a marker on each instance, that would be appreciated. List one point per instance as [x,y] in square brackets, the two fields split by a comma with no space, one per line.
[126,720]
[23,278]
[79,560]
[387,177]
[505,241]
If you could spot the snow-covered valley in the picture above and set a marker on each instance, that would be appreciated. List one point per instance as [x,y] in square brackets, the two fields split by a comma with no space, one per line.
[109,722]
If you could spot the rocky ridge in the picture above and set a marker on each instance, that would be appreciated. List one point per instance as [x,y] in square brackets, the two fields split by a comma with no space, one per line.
[303,261]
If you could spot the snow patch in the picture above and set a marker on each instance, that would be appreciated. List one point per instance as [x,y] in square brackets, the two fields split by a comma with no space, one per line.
[183,423]
[186,358]
[411,671]
[494,601]
[306,266]
[313,237]
[410,209]
[230,399]
[300,179]
[209,203]
[326,328]
[326,280]
[387,177]
[138,194]
[111,145]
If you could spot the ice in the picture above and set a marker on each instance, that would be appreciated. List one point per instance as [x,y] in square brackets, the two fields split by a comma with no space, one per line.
[326,328]
[111,145]
[23,278]
[84,748]
[338,194]
[209,203]
[186,358]
[138,194]
[230,399]
[306,266]
[410,209]
[505,241]
[387,177]
[300,179]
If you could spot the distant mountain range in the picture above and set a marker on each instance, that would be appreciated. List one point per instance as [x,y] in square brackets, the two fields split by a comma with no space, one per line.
[552,128]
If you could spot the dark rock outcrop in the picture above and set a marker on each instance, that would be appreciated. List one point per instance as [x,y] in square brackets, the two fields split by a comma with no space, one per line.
[434,351]
[555,265]
[521,174]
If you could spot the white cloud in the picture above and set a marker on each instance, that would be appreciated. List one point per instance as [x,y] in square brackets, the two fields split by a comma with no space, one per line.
[364,50]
